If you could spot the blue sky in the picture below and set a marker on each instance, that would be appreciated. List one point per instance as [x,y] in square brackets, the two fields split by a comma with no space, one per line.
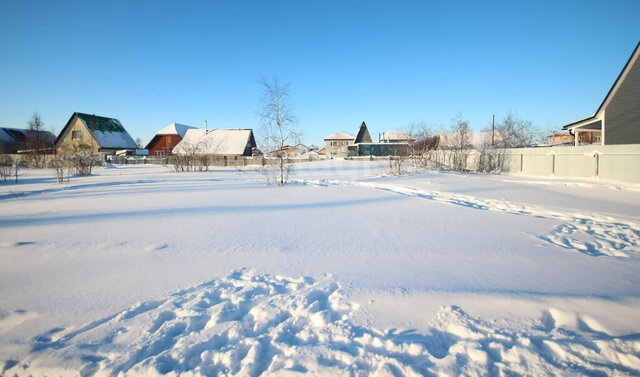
[389,63]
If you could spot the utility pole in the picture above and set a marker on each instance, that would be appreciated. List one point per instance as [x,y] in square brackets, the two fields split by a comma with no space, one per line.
[493,131]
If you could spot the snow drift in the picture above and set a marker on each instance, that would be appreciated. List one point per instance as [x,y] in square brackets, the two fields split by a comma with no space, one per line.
[251,324]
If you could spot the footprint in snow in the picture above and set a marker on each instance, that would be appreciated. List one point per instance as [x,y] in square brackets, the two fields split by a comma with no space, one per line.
[156,247]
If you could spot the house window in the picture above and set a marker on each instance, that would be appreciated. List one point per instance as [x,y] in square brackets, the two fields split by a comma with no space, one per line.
[159,153]
[76,135]
[598,139]
[334,143]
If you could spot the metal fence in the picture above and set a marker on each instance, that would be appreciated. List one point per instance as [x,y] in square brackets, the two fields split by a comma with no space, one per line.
[614,162]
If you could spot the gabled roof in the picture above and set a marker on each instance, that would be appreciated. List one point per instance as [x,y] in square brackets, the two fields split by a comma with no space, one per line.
[340,135]
[107,132]
[19,135]
[363,134]
[175,129]
[6,136]
[215,142]
[172,129]
[616,85]
[396,135]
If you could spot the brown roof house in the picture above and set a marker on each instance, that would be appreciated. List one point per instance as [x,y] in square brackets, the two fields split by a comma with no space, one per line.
[617,120]
[94,134]
[220,142]
[166,139]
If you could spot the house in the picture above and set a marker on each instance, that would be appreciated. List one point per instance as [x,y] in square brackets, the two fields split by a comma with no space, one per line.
[219,142]
[561,137]
[396,137]
[288,150]
[166,139]
[16,140]
[617,120]
[303,148]
[364,146]
[336,143]
[94,134]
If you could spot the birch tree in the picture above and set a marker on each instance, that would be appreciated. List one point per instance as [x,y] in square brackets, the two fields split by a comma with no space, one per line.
[277,123]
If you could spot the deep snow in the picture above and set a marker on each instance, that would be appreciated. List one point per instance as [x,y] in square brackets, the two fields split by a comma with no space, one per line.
[450,273]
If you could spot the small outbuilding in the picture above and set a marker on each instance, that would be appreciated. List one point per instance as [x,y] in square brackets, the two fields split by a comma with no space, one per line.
[166,139]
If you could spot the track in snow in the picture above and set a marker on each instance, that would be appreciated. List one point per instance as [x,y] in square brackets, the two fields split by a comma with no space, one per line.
[588,233]
[251,324]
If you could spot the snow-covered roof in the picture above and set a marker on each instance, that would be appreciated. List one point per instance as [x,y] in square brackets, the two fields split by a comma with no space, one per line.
[396,135]
[113,140]
[175,129]
[340,135]
[108,132]
[561,133]
[215,142]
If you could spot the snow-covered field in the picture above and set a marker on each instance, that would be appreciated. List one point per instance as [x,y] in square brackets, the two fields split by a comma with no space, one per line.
[140,271]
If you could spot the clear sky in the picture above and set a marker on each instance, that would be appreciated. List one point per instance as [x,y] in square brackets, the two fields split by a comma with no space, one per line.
[390,63]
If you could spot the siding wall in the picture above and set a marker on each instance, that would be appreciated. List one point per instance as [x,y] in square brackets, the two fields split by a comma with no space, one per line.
[622,115]
[87,143]
[339,150]
[164,143]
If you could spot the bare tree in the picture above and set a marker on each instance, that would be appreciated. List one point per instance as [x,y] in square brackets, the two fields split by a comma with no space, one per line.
[191,157]
[37,142]
[277,123]
[513,132]
[6,167]
[458,142]
[425,143]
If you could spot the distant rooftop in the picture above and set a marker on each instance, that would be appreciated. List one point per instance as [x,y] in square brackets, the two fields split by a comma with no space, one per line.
[340,135]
